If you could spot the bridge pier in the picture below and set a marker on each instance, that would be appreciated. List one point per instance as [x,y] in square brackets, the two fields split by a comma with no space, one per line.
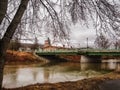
[90,59]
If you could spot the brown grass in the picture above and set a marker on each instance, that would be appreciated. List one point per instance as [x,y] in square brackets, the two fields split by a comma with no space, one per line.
[20,57]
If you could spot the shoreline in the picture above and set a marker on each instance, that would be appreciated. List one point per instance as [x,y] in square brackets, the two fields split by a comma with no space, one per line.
[85,84]
[24,58]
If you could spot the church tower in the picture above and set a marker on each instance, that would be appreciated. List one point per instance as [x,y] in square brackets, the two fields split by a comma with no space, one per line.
[47,43]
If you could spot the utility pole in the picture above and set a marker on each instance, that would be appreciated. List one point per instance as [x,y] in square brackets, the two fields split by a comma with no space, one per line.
[87,42]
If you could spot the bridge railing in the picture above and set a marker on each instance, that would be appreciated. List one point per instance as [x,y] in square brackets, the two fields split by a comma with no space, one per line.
[56,52]
[79,52]
[76,50]
[99,50]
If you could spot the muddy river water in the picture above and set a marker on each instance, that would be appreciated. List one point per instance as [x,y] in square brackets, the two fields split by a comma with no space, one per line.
[22,75]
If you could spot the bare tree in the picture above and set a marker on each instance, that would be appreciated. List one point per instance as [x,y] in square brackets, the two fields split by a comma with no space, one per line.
[16,20]
[14,44]
[102,42]
[22,16]
[4,42]
[117,44]
[35,44]
[105,14]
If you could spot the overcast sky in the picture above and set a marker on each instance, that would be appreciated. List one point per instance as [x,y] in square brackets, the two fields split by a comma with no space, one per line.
[79,35]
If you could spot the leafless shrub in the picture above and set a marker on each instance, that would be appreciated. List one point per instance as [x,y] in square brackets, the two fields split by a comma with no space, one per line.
[102,42]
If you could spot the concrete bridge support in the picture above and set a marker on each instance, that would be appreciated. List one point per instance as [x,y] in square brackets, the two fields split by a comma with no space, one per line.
[88,59]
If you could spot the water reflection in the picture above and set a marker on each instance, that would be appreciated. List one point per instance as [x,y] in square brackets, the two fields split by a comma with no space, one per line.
[111,64]
[16,76]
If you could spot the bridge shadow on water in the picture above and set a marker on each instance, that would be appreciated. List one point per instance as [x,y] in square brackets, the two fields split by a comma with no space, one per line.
[91,59]
[53,60]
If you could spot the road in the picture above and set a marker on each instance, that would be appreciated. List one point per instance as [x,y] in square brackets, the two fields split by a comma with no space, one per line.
[110,85]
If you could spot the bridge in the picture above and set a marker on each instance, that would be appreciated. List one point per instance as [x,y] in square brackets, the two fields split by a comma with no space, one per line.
[86,55]
[88,52]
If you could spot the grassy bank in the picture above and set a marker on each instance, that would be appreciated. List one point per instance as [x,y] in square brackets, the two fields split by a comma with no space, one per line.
[17,57]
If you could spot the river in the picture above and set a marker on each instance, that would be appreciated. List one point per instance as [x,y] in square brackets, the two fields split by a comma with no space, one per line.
[22,75]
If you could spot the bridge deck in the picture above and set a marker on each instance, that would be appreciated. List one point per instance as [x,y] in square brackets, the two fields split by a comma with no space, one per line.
[57,53]
[80,52]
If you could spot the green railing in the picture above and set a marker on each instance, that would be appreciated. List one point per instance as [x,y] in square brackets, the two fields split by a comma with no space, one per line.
[80,52]
[57,52]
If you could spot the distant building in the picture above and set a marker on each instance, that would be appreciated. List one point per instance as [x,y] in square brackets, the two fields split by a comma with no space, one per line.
[48,47]
[47,43]
[28,47]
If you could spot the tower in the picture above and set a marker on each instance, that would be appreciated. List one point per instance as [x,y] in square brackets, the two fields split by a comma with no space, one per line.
[47,42]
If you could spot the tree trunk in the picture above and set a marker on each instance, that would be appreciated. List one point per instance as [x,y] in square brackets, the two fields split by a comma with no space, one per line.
[1,69]
[8,35]
[1,65]
[3,9]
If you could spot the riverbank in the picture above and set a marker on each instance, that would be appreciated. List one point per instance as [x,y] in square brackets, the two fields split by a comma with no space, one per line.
[17,57]
[85,84]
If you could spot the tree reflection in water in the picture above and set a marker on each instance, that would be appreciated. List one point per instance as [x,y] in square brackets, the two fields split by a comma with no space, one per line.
[21,76]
